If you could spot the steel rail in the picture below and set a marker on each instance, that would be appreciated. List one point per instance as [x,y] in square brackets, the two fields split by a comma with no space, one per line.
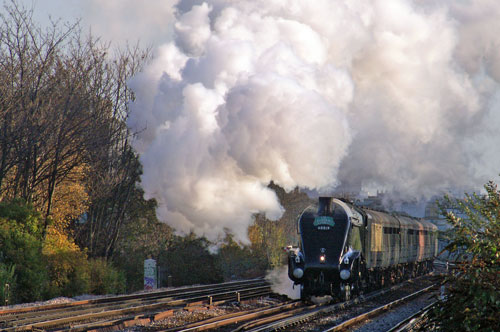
[375,312]
[234,318]
[410,321]
[152,295]
[47,318]
[280,323]
[198,295]
[155,316]
[272,315]
[75,317]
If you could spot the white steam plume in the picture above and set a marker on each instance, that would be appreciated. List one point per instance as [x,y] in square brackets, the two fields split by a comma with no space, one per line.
[311,94]
[281,284]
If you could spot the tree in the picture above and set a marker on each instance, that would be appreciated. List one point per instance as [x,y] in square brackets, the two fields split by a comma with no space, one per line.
[237,261]
[189,261]
[268,239]
[114,168]
[143,237]
[473,302]
[63,111]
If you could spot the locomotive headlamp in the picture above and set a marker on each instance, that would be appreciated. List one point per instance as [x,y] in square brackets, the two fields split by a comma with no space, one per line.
[298,273]
[345,274]
[322,258]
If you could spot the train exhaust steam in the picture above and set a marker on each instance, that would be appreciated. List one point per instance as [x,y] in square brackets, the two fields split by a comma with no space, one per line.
[399,95]
[280,284]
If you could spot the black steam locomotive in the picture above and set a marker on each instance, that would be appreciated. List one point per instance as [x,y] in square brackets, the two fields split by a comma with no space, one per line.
[345,249]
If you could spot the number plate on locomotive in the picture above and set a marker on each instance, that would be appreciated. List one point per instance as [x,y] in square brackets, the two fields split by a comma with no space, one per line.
[324,222]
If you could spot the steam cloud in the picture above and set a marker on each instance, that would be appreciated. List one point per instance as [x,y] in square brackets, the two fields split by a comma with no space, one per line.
[394,94]
[281,284]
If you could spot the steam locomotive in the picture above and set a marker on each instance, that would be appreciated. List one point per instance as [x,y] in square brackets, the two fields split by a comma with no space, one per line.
[345,249]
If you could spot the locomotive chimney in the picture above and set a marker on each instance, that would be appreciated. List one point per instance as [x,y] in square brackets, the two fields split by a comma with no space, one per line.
[325,206]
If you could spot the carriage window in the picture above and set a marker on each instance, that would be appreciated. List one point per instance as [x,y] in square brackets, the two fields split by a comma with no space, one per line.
[391,230]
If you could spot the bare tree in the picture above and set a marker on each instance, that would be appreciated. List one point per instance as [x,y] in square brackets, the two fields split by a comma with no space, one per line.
[115,166]
[29,59]
[64,104]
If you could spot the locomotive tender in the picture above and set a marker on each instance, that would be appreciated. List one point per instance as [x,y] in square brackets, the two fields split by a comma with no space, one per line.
[345,249]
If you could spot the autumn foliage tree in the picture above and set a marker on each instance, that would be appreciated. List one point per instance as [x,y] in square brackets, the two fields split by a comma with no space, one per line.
[63,110]
[64,143]
[473,301]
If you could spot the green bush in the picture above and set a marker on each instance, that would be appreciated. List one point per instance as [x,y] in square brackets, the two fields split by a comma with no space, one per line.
[27,219]
[21,245]
[473,302]
[37,268]
[104,278]
[68,268]
[69,273]
[7,283]
[133,269]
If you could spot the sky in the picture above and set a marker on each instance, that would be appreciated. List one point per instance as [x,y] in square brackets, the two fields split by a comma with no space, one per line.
[401,96]
[116,21]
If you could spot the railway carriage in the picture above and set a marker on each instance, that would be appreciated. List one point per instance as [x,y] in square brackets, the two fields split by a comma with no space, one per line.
[344,249]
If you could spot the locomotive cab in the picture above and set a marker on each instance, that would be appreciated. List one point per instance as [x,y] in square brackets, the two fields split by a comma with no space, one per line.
[327,261]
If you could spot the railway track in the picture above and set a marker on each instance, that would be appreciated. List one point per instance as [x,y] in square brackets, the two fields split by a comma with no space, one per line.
[294,315]
[411,321]
[120,312]
[357,323]
[126,310]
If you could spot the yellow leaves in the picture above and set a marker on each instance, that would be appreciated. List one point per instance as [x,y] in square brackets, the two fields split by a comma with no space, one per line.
[255,234]
[57,241]
[63,258]
[268,237]
[70,199]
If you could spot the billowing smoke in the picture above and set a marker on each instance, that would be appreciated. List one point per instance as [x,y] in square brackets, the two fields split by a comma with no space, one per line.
[393,94]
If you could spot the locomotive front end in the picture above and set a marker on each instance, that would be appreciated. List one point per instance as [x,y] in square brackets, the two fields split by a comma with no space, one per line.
[322,265]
